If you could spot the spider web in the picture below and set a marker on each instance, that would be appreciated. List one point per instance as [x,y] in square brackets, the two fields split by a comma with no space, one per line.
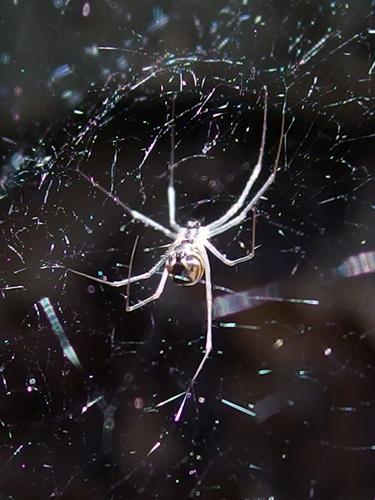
[284,405]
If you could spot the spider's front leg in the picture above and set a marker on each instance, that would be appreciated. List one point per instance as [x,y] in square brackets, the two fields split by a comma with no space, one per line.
[134,213]
[223,220]
[171,167]
[125,281]
[239,210]
[233,262]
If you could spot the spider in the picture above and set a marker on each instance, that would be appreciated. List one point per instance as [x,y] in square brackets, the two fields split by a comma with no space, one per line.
[186,258]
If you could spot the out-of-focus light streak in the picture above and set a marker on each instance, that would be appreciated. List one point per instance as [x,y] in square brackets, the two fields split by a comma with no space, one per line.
[355,265]
[17,253]
[227,304]
[91,403]
[239,408]
[238,325]
[169,400]
[14,454]
[15,287]
[61,72]
[154,448]
[313,51]
[160,19]
[179,412]
[271,405]
[57,328]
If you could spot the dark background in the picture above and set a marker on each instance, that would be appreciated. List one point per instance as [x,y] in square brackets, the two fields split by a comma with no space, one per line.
[89,85]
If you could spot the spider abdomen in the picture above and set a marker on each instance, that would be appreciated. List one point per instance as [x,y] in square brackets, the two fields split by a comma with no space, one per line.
[185,264]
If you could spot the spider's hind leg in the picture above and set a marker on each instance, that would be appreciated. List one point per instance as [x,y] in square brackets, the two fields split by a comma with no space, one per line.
[208,347]
[154,296]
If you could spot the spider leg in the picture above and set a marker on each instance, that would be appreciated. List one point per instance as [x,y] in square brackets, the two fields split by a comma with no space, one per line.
[152,297]
[171,188]
[253,177]
[208,347]
[172,206]
[134,213]
[242,214]
[230,262]
[125,281]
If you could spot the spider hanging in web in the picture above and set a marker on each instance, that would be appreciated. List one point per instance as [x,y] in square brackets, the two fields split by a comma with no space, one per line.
[186,258]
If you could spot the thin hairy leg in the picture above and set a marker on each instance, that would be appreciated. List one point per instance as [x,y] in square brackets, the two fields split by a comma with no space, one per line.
[152,297]
[125,281]
[208,346]
[242,215]
[233,262]
[253,177]
[171,188]
[134,213]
